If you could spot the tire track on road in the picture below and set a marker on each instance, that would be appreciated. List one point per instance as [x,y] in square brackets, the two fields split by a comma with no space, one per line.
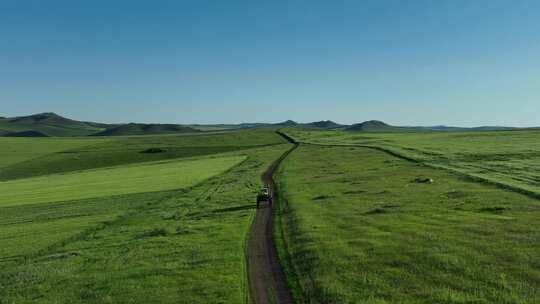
[267,281]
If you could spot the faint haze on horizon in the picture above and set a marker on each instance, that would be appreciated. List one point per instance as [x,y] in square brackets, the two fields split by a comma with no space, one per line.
[454,62]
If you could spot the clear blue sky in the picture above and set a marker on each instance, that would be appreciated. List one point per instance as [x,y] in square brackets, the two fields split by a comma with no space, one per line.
[454,62]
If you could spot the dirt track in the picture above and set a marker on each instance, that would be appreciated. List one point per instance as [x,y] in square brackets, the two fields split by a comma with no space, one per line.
[266,278]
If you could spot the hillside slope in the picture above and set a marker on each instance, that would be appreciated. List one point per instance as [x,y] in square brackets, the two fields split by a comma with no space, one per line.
[145,129]
[372,126]
[30,133]
[49,124]
[323,124]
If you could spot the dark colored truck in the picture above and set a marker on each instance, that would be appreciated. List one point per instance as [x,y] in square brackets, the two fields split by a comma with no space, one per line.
[264,196]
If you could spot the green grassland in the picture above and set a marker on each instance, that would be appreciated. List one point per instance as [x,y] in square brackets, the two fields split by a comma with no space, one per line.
[355,227]
[507,157]
[164,218]
[55,155]
[94,220]
[15,150]
[141,177]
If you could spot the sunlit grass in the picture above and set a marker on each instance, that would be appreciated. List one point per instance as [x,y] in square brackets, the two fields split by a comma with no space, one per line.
[507,157]
[43,156]
[359,229]
[173,246]
[144,177]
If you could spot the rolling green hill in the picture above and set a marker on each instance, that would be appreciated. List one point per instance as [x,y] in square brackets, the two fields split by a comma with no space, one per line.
[323,124]
[49,124]
[145,129]
[372,126]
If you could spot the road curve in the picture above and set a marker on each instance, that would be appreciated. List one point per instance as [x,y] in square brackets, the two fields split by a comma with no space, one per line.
[267,280]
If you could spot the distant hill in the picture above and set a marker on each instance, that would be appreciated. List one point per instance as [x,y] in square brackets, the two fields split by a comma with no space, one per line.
[30,133]
[247,125]
[287,123]
[145,129]
[367,126]
[372,126]
[492,128]
[379,126]
[49,124]
[323,124]
[457,129]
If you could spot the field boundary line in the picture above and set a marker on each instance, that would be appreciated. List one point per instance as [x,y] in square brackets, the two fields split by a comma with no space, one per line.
[468,176]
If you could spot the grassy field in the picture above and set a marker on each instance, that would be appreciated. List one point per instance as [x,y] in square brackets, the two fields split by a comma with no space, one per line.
[55,155]
[507,157]
[163,219]
[109,224]
[355,227]
[16,150]
[141,177]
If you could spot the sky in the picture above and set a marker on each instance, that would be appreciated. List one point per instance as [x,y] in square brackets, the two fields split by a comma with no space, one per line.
[416,62]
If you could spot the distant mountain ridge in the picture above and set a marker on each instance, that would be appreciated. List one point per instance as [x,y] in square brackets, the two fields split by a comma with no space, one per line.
[379,126]
[52,124]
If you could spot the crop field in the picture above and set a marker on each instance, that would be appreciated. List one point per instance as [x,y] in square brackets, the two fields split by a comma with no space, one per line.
[100,221]
[511,158]
[356,226]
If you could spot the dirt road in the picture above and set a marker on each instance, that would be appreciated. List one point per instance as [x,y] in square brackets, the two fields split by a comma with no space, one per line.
[266,278]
